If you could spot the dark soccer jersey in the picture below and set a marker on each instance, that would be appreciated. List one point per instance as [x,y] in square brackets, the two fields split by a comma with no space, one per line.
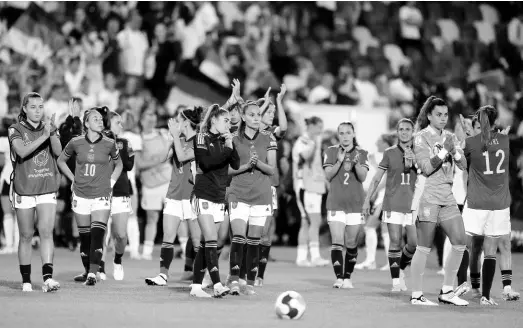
[122,187]
[212,166]
[37,174]
[346,191]
[180,187]
[92,176]
[488,180]
[399,188]
[252,187]
[275,178]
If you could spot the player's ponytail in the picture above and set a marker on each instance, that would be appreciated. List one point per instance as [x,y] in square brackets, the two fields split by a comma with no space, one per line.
[194,116]
[487,116]
[423,121]
[22,116]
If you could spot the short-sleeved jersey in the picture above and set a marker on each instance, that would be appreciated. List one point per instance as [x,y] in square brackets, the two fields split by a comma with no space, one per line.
[92,176]
[310,171]
[252,187]
[438,185]
[399,188]
[180,186]
[346,191]
[38,173]
[488,179]
[275,178]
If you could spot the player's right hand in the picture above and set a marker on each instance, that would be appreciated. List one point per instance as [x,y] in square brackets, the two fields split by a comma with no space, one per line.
[365,211]
[341,154]
[47,129]
[174,128]
[449,145]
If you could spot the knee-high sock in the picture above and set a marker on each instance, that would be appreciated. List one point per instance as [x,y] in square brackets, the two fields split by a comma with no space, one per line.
[189,256]
[211,258]
[85,245]
[371,244]
[253,259]
[488,272]
[199,264]
[463,268]
[244,267]
[351,256]
[452,265]
[166,257]
[97,244]
[236,256]
[506,278]
[337,260]
[265,248]
[394,263]
[417,269]
[406,257]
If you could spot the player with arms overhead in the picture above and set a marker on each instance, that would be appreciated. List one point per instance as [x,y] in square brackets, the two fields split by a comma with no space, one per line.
[398,163]
[93,180]
[34,182]
[437,151]
[487,209]
[346,167]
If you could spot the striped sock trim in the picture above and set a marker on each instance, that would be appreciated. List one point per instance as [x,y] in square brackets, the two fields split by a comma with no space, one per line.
[506,277]
[337,247]
[394,254]
[475,279]
[167,245]
[238,239]
[352,252]
[211,244]
[253,241]
[314,244]
[266,243]
[100,225]
[408,253]
[84,229]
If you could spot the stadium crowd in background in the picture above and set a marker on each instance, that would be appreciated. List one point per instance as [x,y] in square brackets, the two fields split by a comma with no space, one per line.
[129,56]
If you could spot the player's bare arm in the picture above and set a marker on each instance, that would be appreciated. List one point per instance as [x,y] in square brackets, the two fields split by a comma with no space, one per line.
[117,170]
[372,190]
[183,155]
[62,165]
[282,118]
[56,145]
[23,150]
[331,171]
[269,167]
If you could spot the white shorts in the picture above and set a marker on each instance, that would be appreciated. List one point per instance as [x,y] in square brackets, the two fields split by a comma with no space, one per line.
[403,219]
[350,219]
[154,198]
[27,202]
[486,223]
[85,206]
[205,207]
[255,215]
[274,198]
[121,205]
[312,202]
[179,208]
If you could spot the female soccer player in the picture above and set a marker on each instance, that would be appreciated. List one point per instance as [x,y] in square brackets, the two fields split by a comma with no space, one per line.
[155,175]
[177,201]
[398,164]
[309,183]
[93,180]
[35,180]
[120,198]
[250,196]
[278,131]
[214,152]
[487,209]
[11,233]
[437,151]
[346,166]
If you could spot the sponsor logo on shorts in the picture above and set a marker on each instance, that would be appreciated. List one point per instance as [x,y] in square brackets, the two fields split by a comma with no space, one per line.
[18,199]
[333,213]
[205,205]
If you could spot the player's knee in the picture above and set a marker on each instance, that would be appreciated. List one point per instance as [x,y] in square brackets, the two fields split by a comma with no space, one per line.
[351,243]
[505,246]
[119,236]
[395,243]
[26,237]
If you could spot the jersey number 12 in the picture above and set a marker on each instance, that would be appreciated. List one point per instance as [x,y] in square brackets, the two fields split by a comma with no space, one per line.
[499,170]
[90,170]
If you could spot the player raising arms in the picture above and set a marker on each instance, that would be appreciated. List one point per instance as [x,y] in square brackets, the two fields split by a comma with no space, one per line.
[250,195]
[278,131]
[177,201]
[346,167]
[487,209]
[437,151]
[121,195]
[214,152]
[398,163]
[93,181]
[34,183]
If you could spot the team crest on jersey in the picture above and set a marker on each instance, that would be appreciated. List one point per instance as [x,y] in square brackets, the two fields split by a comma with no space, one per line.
[234,205]
[205,205]
[42,158]
[90,158]
[347,164]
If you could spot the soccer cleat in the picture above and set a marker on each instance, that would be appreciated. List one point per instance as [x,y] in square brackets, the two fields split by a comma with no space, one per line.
[197,291]
[303,263]
[319,262]
[365,266]
[101,276]
[50,285]
[386,267]
[220,290]
[396,288]
[486,301]
[187,276]
[235,288]
[450,297]
[27,287]
[81,277]
[476,292]
[159,280]
[422,301]
[462,289]
[118,273]
[207,282]
[402,284]
[249,290]
[91,279]
[347,284]
[509,294]
[338,283]
[258,282]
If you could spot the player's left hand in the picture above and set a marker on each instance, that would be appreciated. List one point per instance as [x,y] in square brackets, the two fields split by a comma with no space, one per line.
[174,128]
[449,145]
[52,123]
[283,90]
[505,131]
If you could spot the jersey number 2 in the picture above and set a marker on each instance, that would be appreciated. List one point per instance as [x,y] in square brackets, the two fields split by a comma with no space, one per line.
[499,170]
[90,170]
[346,180]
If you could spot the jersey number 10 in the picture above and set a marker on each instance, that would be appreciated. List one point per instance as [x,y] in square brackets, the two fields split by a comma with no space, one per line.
[499,170]
[90,170]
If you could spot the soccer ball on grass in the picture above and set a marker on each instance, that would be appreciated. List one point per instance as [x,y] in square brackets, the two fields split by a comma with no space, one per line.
[290,305]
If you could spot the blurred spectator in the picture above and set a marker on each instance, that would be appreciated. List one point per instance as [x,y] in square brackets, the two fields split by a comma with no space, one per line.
[133,44]
[411,21]
[515,32]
